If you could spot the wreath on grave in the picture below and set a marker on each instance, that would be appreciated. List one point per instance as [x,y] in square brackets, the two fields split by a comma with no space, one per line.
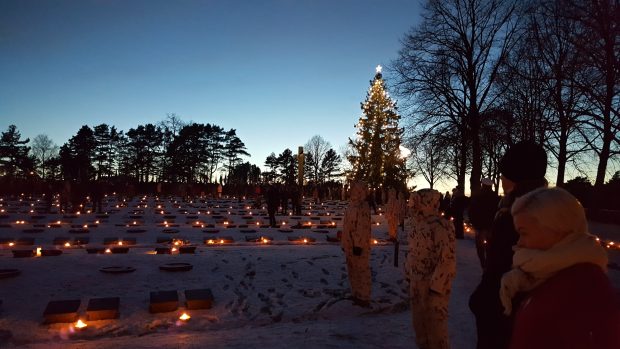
[9,273]
[176,267]
[117,270]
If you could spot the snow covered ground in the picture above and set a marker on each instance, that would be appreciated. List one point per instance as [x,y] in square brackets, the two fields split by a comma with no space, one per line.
[278,295]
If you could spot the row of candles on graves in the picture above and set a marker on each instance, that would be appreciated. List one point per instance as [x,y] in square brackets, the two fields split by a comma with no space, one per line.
[610,244]
[81,325]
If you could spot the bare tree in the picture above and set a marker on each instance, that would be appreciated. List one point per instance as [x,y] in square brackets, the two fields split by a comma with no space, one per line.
[449,64]
[598,43]
[43,149]
[429,158]
[317,147]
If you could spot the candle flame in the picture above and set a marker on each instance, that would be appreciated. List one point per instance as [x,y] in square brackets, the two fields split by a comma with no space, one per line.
[80,324]
[184,317]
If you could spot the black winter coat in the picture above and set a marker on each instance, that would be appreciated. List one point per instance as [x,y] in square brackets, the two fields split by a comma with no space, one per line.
[493,327]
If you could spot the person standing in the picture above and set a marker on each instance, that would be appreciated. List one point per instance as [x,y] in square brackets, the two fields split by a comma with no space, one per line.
[560,273]
[481,213]
[431,267]
[355,242]
[523,169]
[273,201]
[457,209]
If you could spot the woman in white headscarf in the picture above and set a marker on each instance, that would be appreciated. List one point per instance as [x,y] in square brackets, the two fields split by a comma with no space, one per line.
[559,277]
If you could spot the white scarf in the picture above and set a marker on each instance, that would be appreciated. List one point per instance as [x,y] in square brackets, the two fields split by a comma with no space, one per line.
[533,267]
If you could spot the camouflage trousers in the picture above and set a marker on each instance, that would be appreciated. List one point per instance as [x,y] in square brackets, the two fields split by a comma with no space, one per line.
[358,268]
[430,316]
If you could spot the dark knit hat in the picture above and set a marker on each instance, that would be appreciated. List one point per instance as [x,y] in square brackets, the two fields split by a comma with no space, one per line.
[524,161]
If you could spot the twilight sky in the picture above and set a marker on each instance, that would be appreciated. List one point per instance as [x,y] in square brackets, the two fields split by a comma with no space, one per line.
[278,71]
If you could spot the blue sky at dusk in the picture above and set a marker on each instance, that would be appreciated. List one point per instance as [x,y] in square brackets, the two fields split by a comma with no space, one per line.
[278,71]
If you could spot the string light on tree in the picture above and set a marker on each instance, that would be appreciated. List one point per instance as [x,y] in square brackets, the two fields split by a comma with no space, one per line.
[378,157]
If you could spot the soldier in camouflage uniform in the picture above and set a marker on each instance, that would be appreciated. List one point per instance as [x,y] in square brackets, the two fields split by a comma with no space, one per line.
[431,266]
[356,243]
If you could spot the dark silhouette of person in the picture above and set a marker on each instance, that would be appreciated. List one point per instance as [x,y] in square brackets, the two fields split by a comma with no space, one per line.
[284,195]
[273,200]
[444,206]
[481,213]
[457,208]
[523,169]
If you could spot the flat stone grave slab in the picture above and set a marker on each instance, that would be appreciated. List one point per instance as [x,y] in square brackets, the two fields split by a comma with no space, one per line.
[119,250]
[169,217]
[219,240]
[3,225]
[332,238]
[285,230]
[187,249]
[50,252]
[322,231]
[211,231]
[301,239]
[95,250]
[9,273]
[192,217]
[24,242]
[126,241]
[198,299]
[177,266]
[79,231]
[170,231]
[248,231]
[61,240]
[163,250]
[103,308]
[33,230]
[117,270]
[263,239]
[163,301]
[81,241]
[61,311]
[163,240]
[136,231]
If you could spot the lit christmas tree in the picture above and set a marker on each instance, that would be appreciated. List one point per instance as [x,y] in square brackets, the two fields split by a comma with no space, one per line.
[376,156]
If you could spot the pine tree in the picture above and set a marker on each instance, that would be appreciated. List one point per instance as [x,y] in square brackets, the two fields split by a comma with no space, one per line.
[376,150]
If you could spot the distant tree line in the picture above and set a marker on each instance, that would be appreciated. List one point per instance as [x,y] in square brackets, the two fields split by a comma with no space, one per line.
[476,76]
[170,151]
